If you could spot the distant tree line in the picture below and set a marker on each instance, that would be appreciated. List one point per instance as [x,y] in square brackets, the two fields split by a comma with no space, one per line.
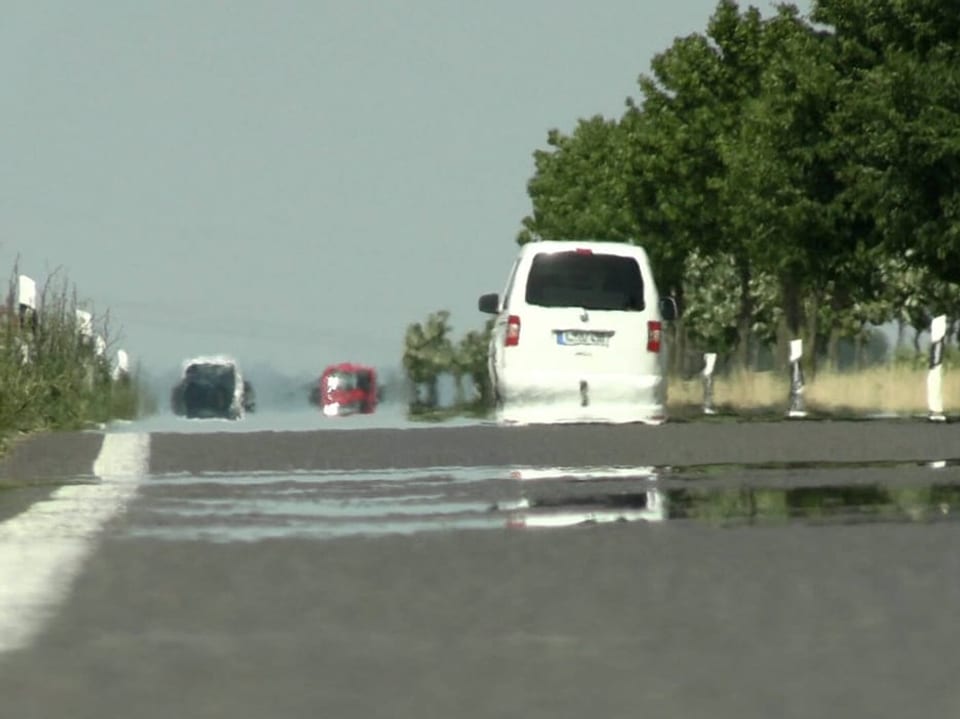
[431,353]
[790,177]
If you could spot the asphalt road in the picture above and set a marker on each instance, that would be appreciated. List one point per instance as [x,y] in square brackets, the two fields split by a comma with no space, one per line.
[678,444]
[668,618]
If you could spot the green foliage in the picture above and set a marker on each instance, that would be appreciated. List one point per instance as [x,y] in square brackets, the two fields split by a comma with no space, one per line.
[582,184]
[430,353]
[51,377]
[909,357]
[897,124]
[712,295]
[812,504]
[472,360]
[787,179]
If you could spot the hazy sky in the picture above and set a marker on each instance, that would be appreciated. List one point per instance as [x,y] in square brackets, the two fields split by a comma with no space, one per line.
[293,182]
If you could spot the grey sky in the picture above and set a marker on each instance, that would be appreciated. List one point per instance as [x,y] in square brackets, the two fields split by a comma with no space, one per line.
[293,182]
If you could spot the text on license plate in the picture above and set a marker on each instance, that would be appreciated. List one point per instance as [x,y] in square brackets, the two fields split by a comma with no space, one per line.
[581,337]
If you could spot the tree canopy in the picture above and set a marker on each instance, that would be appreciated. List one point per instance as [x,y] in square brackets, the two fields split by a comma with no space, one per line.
[784,172]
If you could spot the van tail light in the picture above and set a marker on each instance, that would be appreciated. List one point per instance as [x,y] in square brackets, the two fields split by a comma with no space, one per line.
[654,333]
[513,331]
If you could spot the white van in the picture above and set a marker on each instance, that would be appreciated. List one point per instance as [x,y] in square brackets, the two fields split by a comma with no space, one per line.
[579,336]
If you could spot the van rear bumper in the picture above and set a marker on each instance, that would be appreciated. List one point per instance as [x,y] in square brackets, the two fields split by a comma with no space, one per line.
[561,397]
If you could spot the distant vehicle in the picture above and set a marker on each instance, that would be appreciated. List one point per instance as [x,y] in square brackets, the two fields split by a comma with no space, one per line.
[346,388]
[212,387]
[579,336]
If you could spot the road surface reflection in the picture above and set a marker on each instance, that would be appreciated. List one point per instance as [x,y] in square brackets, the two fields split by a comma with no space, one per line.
[245,507]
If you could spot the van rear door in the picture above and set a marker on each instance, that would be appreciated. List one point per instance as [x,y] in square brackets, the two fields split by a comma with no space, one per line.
[588,311]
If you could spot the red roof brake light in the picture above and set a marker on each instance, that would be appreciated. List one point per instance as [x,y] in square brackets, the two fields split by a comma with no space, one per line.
[584,251]
[512,338]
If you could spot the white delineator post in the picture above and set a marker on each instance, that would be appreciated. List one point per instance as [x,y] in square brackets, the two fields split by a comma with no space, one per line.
[26,314]
[84,321]
[710,361]
[796,380]
[26,292]
[26,301]
[938,330]
[84,325]
[121,369]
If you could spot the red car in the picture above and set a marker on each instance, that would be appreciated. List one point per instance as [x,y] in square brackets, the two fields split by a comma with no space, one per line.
[346,388]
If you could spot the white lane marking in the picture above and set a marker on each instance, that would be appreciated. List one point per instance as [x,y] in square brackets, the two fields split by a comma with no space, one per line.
[417,475]
[43,548]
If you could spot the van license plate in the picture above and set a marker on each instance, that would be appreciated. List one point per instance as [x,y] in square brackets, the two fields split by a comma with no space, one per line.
[581,338]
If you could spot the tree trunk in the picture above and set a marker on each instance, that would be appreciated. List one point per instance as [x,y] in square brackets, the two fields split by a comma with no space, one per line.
[813,335]
[677,347]
[481,383]
[673,331]
[745,318]
[793,307]
[781,354]
[458,388]
[833,350]
[676,362]
[791,325]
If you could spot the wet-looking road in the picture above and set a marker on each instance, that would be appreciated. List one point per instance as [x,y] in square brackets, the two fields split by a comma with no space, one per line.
[722,569]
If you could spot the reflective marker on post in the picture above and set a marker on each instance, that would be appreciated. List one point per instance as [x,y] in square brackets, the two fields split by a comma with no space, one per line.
[938,330]
[796,380]
[710,361]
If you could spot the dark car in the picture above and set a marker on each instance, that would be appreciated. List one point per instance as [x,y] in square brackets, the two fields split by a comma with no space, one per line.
[212,388]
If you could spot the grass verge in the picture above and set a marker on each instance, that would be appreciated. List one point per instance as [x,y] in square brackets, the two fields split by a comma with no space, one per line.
[897,390]
[55,366]
[894,390]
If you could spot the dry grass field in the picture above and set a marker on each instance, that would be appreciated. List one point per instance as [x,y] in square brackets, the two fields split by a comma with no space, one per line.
[878,390]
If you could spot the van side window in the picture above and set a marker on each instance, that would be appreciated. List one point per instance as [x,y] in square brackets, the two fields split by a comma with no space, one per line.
[510,281]
[590,281]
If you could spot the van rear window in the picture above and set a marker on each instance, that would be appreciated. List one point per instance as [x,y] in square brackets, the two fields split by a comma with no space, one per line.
[591,281]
